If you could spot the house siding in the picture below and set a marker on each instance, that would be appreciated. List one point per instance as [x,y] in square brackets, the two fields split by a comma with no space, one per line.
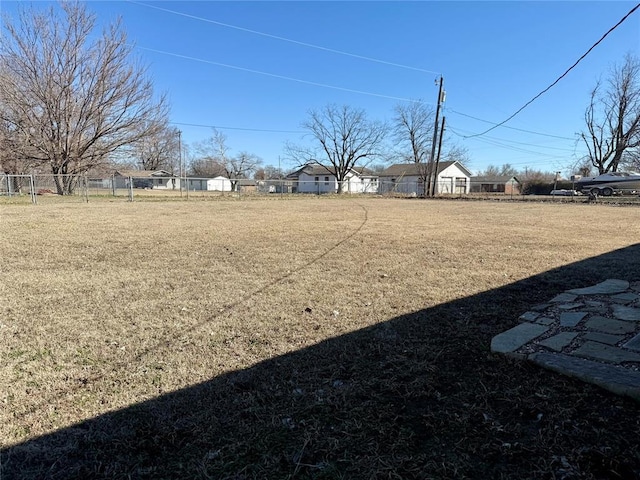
[158,179]
[322,182]
[453,179]
[217,184]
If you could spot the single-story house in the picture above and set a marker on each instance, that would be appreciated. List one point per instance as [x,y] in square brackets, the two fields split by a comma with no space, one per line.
[408,178]
[161,179]
[316,178]
[216,184]
[506,184]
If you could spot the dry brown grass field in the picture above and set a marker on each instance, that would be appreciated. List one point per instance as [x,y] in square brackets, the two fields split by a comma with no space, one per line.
[300,338]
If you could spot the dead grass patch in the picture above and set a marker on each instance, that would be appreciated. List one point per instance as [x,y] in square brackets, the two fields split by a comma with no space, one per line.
[106,305]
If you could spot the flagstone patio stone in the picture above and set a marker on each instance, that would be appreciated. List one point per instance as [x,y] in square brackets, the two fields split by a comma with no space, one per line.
[599,344]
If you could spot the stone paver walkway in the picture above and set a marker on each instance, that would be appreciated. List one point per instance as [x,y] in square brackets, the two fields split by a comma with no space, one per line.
[590,333]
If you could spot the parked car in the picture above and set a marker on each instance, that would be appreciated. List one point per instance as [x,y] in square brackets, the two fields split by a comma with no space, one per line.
[564,192]
[142,183]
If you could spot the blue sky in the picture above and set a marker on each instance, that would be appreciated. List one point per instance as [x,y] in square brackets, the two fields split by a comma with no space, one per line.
[494,57]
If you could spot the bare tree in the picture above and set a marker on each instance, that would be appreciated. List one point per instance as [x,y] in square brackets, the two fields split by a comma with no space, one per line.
[413,133]
[582,167]
[205,167]
[160,150]
[493,171]
[72,101]
[241,166]
[613,117]
[214,157]
[456,153]
[10,162]
[268,172]
[343,136]
[631,160]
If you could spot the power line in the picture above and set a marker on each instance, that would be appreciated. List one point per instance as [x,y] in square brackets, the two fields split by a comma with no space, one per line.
[504,126]
[509,141]
[284,39]
[235,128]
[510,147]
[273,75]
[561,76]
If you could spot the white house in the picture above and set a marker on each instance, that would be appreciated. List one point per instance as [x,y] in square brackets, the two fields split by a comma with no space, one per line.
[408,178]
[216,184]
[160,179]
[315,178]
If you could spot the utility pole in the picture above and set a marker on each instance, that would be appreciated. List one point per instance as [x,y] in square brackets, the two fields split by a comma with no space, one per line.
[434,188]
[441,95]
[180,158]
[280,176]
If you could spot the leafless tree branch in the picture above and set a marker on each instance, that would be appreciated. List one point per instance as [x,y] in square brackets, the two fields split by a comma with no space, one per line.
[343,138]
[72,102]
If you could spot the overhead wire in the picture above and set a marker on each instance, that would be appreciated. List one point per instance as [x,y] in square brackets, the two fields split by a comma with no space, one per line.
[284,39]
[453,129]
[514,148]
[220,127]
[447,109]
[215,22]
[561,76]
[274,75]
[495,125]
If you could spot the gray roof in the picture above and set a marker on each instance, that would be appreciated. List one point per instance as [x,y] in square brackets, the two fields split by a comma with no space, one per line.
[417,169]
[494,179]
[317,169]
[246,182]
[143,173]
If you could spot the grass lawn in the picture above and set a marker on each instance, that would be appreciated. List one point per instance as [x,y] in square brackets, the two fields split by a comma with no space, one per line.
[300,338]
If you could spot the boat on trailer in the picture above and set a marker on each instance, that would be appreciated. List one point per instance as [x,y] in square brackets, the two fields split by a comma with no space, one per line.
[610,183]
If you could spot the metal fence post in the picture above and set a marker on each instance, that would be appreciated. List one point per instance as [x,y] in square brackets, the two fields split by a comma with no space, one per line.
[86,188]
[32,189]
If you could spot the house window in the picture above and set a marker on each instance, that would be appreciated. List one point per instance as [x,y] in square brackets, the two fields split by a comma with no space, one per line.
[326,180]
[317,180]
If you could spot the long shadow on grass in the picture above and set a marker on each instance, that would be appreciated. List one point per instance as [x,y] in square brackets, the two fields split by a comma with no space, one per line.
[419,396]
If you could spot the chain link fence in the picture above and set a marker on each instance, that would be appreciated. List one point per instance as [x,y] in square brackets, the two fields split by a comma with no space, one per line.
[42,188]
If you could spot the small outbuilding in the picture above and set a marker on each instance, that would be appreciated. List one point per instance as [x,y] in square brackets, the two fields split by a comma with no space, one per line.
[216,184]
[496,184]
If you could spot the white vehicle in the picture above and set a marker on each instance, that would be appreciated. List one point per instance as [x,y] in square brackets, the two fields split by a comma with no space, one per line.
[609,183]
[565,193]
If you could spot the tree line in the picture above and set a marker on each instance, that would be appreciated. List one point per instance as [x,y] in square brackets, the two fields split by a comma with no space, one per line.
[73,101]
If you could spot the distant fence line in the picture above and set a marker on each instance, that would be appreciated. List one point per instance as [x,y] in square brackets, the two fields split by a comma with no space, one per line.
[81,187]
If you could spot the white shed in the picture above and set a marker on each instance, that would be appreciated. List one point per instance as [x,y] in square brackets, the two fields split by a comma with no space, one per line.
[216,184]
